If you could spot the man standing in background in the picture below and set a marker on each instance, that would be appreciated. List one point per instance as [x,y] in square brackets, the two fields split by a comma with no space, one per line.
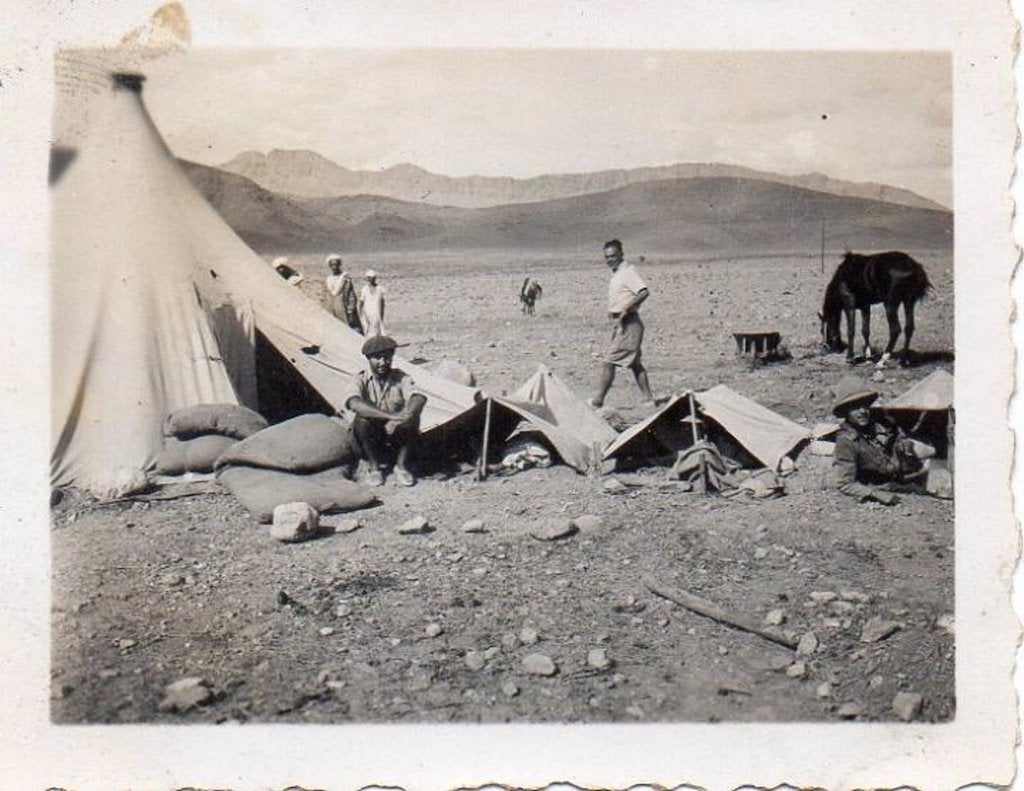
[371,305]
[626,292]
[344,302]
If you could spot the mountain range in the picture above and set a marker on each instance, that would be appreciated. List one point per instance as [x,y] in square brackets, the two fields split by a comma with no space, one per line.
[308,174]
[700,215]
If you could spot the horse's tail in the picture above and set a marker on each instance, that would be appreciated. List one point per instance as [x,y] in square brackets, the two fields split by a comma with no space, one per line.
[921,287]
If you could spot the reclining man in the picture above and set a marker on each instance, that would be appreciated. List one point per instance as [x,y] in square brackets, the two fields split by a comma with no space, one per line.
[872,460]
[387,409]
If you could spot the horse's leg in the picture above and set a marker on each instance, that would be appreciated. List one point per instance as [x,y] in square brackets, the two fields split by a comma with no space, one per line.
[893,315]
[865,329]
[850,332]
[908,331]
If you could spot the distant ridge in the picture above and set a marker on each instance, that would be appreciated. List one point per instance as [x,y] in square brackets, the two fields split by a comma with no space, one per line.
[308,174]
[699,215]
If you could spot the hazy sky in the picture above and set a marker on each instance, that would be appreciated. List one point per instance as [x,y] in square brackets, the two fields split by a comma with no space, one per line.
[861,116]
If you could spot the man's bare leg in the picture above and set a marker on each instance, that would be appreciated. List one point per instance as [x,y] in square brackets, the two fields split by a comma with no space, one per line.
[604,384]
[640,374]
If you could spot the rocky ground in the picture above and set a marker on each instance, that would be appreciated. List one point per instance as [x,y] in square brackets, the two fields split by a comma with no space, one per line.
[486,615]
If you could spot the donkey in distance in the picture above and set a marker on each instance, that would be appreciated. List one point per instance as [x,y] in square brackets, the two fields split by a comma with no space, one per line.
[861,281]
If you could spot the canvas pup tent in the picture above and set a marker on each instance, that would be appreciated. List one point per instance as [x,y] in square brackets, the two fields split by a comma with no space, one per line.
[741,429]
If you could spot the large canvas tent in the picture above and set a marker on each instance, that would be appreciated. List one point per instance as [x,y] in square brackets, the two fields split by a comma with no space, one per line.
[738,427]
[157,303]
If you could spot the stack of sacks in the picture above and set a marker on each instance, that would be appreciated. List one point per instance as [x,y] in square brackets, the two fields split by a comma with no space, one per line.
[195,437]
[305,460]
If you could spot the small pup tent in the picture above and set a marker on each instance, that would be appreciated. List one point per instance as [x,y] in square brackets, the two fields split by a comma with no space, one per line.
[158,305]
[926,412]
[548,407]
[739,428]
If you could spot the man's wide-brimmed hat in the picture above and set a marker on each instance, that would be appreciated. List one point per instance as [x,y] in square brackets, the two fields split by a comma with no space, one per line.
[370,274]
[378,344]
[850,393]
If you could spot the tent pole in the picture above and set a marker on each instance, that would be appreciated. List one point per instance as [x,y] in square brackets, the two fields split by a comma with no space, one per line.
[693,417]
[482,470]
[703,462]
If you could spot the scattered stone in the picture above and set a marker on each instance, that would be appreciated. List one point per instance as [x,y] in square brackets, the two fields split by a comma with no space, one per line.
[433,630]
[475,660]
[635,711]
[831,623]
[395,642]
[491,652]
[796,670]
[347,525]
[855,596]
[343,610]
[61,691]
[875,681]
[723,650]
[420,682]
[539,665]
[185,694]
[760,553]
[877,628]
[824,597]
[587,522]
[125,644]
[554,531]
[877,376]
[294,522]
[775,617]
[946,623]
[778,662]
[510,642]
[614,486]
[172,580]
[907,705]
[509,689]
[528,635]
[850,711]
[326,631]
[597,658]
[823,690]
[841,607]
[108,673]
[415,526]
[808,644]
[474,526]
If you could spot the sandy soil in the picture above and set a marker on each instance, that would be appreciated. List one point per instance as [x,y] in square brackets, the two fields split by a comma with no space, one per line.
[376,626]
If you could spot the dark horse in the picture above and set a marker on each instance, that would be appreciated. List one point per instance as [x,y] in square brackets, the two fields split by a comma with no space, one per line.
[861,281]
[529,294]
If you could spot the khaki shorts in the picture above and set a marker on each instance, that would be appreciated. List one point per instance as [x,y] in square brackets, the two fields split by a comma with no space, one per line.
[624,350]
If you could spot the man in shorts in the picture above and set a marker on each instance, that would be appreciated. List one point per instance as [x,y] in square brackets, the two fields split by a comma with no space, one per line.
[626,292]
[387,409]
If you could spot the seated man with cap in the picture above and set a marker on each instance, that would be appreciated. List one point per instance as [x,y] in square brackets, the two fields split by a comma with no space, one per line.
[872,460]
[387,409]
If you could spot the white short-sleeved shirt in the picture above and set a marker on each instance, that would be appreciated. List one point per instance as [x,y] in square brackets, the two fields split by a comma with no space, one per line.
[624,285]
